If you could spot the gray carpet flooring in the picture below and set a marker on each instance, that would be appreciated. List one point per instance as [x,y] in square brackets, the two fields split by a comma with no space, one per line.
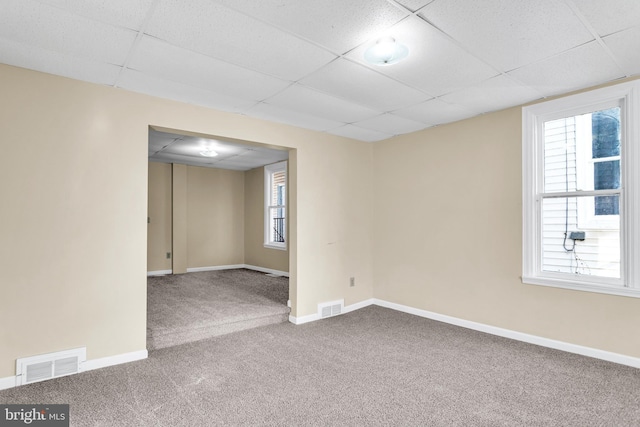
[373,366]
[190,307]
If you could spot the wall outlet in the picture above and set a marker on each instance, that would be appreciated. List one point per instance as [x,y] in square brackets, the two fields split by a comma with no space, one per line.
[352,281]
[168,255]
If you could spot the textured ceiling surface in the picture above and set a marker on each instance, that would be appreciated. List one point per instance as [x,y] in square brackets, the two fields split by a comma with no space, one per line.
[300,62]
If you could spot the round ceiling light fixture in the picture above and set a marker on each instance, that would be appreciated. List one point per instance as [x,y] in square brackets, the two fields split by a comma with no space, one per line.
[386,51]
[208,152]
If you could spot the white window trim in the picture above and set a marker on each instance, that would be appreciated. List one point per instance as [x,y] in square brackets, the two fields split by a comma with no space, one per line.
[533,118]
[268,171]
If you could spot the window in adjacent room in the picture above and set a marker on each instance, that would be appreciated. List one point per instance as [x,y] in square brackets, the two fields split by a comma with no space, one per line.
[275,214]
[581,191]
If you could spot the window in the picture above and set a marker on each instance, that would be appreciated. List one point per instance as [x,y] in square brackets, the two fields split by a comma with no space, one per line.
[581,191]
[275,205]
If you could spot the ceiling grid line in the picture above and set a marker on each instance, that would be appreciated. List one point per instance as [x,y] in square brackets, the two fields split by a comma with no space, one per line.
[136,42]
[595,34]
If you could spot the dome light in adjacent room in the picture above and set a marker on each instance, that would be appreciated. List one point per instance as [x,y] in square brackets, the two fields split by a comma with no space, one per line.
[208,152]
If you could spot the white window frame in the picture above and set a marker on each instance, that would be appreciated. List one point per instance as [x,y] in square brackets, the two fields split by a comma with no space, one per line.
[627,95]
[269,170]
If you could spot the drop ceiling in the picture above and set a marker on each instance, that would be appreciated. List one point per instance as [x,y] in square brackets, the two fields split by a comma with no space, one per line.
[300,62]
[167,147]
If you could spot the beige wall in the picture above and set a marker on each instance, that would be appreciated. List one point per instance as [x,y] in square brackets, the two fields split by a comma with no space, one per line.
[74,192]
[208,227]
[159,214]
[254,251]
[215,217]
[448,223]
[73,184]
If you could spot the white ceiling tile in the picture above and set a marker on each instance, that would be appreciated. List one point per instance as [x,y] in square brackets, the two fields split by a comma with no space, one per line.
[159,140]
[268,149]
[625,46]
[309,101]
[182,149]
[182,159]
[293,118]
[162,60]
[364,86]
[414,5]
[507,33]
[139,82]
[123,13]
[50,62]
[494,94]
[390,124]
[336,24]
[225,149]
[361,134]
[435,64]
[262,157]
[217,31]
[50,28]
[609,16]
[570,70]
[435,112]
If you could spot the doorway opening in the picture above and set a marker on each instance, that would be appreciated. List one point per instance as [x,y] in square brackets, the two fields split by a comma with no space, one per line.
[209,269]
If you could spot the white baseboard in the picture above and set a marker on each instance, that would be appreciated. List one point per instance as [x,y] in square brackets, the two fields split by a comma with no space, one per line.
[304,319]
[235,266]
[214,268]
[89,365]
[8,382]
[118,359]
[267,270]
[518,336]
[159,272]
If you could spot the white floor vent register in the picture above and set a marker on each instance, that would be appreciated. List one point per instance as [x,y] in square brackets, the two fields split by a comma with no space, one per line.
[52,365]
[329,309]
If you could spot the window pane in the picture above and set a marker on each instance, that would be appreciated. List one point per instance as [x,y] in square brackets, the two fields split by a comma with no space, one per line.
[568,249]
[606,133]
[582,152]
[606,175]
[607,205]
[560,155]
[278,181]
[277,224]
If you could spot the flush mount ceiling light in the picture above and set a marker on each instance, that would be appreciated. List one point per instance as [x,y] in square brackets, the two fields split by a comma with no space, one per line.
[208,152]
[386,51]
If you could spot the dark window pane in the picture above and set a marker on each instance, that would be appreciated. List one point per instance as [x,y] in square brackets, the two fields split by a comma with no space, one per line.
[606,175]
[605,128]
[607,205]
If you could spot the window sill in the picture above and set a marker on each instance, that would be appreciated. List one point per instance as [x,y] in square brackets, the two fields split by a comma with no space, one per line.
[585,287]
[282,247]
